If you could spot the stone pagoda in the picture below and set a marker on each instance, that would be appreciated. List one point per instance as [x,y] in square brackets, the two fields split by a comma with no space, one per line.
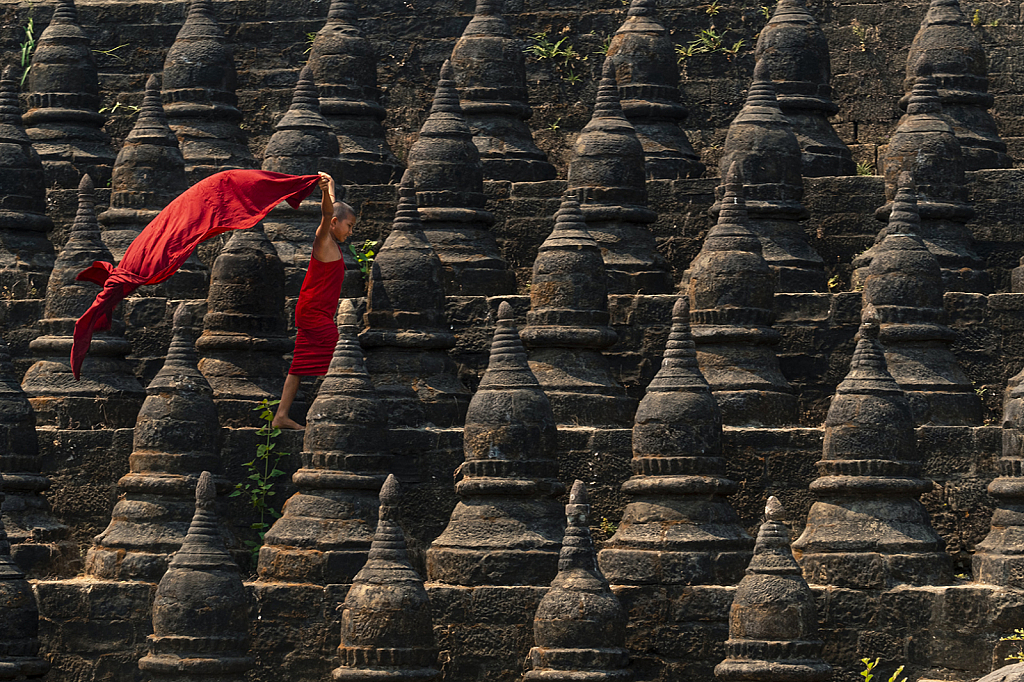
[607,173]
[773,621]
[999,558]
[386,628]
[505,529]
[567,327]
[732,301]
[304,144]
[108,395]
[175,440]
[149,173]
[40,544]
[490,74]
[344,65]
[925,146]
[19,618]
[647,73]
[795,50]
[580,626]
[201,611]
[868,529]
[199,96]
[947,47]
[26,255]
[326,528]
[406,337]
[63,116]
[678,527]
[445,165]
[762,142]
[245,335]
[904,288]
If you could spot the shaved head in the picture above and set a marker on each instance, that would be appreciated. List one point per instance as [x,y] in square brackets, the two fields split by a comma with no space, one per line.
[343,211]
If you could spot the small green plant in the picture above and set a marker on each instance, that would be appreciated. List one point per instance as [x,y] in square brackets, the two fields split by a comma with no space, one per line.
[112,53]
[118,105]
[561,53]
[713,9]
[607,527]
[865,168]
[258,486]
[571,77]
[861,33]
[766,12]
[834,283]
[554,125]
[310,37]
[27,48]
[1017,636]
[976,19]
[364,255]
[605,46]
[980,391]
[869,667]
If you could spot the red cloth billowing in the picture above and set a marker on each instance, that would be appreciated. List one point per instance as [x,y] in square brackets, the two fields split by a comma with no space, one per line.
[230,200]
[314,317]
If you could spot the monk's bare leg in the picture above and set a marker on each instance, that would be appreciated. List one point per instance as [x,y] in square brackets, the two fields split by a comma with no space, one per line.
[281,418]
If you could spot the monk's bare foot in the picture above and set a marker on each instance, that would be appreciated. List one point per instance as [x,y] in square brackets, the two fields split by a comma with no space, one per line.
[287,423]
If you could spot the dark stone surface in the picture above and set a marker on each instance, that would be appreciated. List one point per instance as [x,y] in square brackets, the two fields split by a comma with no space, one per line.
[175,440]
[761,140]
[406,335]
[326,527]
[40,544]
[773,621]
[647,75]
[868,529]
[386,628]
[504,530]
[201,611]
[947,48]
[608,177]
[63,116]
[108,394]
[731,291]
[445,165]
[26,256]
[580,626]
[19,624]
[245,337]
[924,145]
[567,327]
[490,74]
[902,287]
[199,82]
[344,65]
[796,52]
[999,558]
[677,527]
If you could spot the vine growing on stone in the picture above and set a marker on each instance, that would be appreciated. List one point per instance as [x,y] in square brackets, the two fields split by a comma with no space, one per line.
[27,48]
[258,486]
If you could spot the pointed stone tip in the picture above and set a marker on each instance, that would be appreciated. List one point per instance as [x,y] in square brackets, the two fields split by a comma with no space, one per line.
[761,71]
[868,329]
[346,307]
[447,72]
[182,317]
[205,491]
[390,493]
[306,74]
[407,179]
[608,70]
[505,311]
[906,181]
[773,510]
[153,82]
[681,308]
[578,494]
[86,185]
[735,174]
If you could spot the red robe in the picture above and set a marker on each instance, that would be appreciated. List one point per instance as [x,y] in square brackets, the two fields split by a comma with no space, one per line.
[230,200]
[316,332]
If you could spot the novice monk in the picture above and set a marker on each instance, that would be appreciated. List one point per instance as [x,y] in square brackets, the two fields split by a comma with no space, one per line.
[318,300]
